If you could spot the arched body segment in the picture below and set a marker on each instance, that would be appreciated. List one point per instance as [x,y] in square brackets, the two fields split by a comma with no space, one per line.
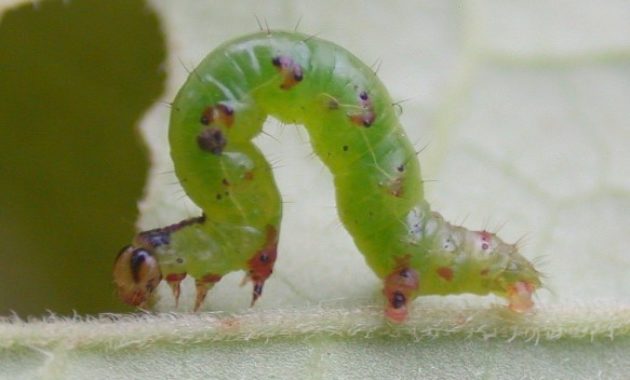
[355,131]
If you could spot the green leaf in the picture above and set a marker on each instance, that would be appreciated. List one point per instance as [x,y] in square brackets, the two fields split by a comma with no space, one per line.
[439,341]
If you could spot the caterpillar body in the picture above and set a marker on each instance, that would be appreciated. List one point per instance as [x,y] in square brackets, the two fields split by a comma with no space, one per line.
[355,131]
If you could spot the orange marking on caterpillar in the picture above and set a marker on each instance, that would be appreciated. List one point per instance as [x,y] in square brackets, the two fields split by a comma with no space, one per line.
[366,116]
[290,70]
[395,186]
[249,175]
[220,114]
[446,273]
[400,287]
[261,264]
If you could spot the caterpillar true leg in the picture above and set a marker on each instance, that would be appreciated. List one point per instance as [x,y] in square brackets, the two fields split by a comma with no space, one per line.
[202,286]
[174,280]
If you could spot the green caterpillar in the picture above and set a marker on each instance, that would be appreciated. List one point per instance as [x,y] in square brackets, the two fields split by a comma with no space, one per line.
[355,131]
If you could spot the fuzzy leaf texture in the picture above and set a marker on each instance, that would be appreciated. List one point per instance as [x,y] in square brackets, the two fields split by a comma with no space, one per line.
[522,107]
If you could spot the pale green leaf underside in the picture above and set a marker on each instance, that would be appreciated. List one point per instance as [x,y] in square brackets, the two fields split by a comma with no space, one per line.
[439,341]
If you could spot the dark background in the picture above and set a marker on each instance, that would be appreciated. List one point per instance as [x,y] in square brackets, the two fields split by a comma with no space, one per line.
[75,79]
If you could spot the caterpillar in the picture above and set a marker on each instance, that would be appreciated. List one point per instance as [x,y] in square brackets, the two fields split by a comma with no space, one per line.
[354,129]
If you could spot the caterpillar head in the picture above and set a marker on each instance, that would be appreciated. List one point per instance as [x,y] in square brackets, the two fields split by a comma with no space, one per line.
[136,275]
